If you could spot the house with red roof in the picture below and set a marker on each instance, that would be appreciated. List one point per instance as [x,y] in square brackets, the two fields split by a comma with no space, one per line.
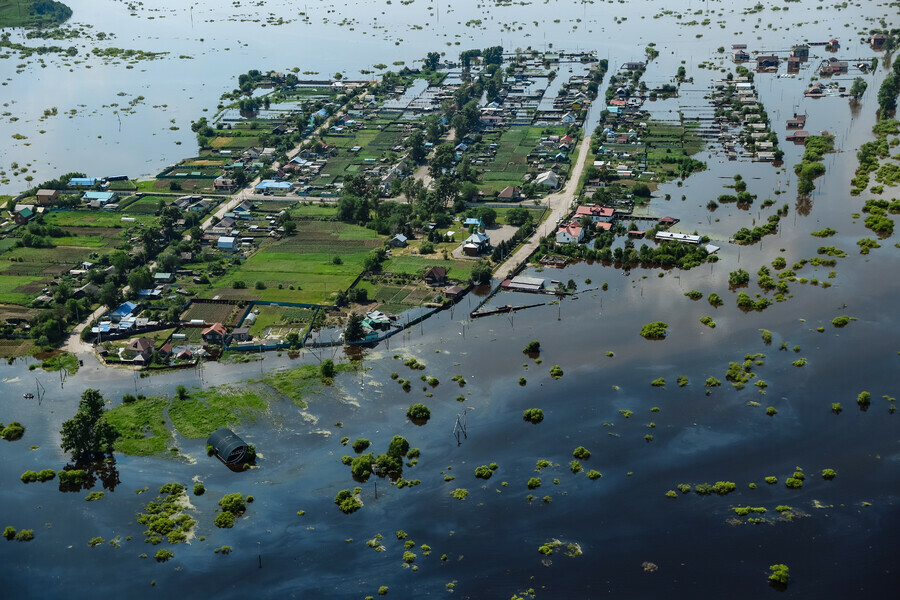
[569,234]
[214,334]
[597,214]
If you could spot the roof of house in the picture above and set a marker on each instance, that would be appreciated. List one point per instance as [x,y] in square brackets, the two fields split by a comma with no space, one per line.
[140,344]
[215,328]
[436,273]
[126,308]
[572,229]
[400,237]
[510,191]
[593,211]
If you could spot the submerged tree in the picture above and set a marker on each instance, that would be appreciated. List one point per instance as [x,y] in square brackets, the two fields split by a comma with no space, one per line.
[88,433]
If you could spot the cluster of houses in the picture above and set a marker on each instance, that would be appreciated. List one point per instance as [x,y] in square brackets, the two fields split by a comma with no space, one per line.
[739,123]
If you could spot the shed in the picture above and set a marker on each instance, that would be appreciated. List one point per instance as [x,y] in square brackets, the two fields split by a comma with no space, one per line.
[227,446]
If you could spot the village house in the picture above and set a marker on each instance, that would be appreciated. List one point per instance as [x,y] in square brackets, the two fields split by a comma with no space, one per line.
[877,41]
[597,214]
[510,192]
[834,66]
[101,198]
[226,243]
[214,334]
[398,241]
[798,122]
[569,234]
[547,179]
[241,334]
[47,197]
[766,61]
[740,55]
[22,215]
[224,184]
[436,276]
[142,348]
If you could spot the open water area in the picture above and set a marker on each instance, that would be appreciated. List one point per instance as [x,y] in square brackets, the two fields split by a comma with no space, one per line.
[635,542]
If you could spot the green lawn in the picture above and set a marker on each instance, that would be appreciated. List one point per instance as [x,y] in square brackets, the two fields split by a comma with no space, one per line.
[304,261]
[94,218]
[416,265]
[9,284]
[141,425]
[213,409]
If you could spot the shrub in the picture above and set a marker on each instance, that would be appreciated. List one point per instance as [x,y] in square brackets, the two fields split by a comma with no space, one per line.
[10,532]
[418,412]
[694,294]
[383,590]
[72,477]
[24,535]
[164,555]
[654,331]
[828,474]
[29,476]
[46,475]
[233,503]
[346,502]
[712,382]
[582,453]
[534,482]
[532,347]
[836,408]
[594,475]
[671,494]
[12,432]
[522,381]
[360,444]
[708,321]
[199,489]
[864,399]
[658,382]
[483,472]
[533,415]
[840,321]
[771,411]
[575,466]
[771,480]
[224,520]
[715,300]
[766,335]
[779,574]
[793,483]
[361,466]
[223,550]
[556,372]
[723,488]
[684,488]
[682,380]
[460,493]
[93,496]
[739,277]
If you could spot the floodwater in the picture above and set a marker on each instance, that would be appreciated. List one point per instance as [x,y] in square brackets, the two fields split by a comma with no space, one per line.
[841,543]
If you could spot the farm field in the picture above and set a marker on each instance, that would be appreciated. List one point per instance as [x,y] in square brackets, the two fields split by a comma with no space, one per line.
[212,313]
[511,161]
[280,320]
[304,261]
[94,218]
[416,265]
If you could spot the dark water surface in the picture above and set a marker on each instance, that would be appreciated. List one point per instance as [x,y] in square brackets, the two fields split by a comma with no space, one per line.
[842,541]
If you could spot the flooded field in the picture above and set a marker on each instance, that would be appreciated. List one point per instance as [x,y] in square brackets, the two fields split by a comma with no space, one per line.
[621,534]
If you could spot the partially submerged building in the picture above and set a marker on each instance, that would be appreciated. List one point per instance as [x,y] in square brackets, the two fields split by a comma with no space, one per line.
[227,446]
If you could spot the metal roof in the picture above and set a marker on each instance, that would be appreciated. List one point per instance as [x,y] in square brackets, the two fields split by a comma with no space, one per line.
[228,446]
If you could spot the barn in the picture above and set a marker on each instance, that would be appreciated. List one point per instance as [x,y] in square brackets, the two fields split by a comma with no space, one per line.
[227,446]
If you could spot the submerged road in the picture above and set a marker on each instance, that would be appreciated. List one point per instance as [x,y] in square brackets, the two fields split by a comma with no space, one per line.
[559,203]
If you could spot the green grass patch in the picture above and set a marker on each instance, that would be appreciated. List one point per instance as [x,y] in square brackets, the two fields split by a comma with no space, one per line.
[213,409]
[141,425]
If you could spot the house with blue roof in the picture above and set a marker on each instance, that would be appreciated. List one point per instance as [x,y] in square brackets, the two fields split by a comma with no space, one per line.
[271,184]
[125,310]
[103,198]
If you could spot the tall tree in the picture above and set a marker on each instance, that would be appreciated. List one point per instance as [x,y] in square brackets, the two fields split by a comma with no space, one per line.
[88,433]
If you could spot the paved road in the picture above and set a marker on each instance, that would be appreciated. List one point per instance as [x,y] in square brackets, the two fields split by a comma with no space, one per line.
[559,203]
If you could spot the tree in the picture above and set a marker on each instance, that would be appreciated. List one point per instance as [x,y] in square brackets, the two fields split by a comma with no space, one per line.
[416,144]
[327,368]
[654,331]
[88,433]
[354,331]
[481,272]
[859,87]
[418,412]
[444,158]
[431,61]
